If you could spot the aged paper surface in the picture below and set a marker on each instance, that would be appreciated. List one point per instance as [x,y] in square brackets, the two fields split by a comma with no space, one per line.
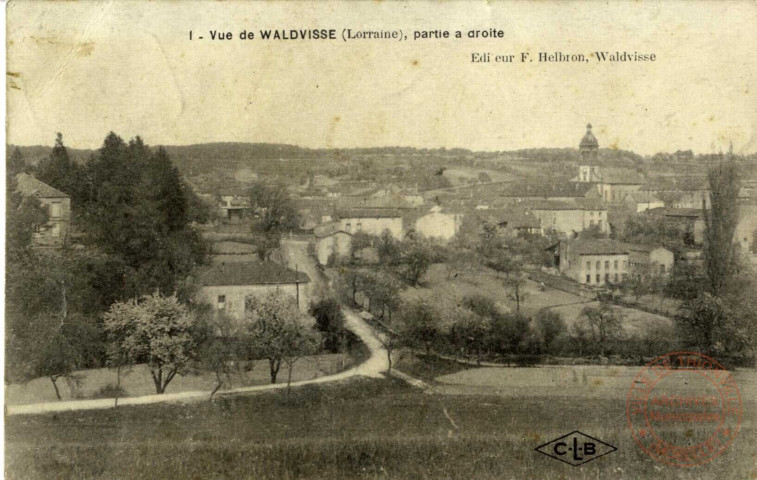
[381,239]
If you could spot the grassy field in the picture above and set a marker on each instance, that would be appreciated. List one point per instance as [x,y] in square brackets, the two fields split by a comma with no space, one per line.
[486,282]
[635,322]
[138,382]
[357,429]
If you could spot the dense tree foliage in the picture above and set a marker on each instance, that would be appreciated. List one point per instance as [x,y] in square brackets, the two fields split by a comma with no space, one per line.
[279,332]
[720,224]
[129,212]
[155,330]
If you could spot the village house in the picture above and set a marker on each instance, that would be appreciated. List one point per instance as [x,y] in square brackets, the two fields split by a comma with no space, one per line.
[439,224]
[649,260]
[511,223]
[57,204]
[519,192]
[233,208]
[225,286]
[372,221]
[570,218]
[641,201]
[594,262]
[331,241]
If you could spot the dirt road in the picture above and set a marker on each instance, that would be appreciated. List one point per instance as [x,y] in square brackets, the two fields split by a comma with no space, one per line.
[373,367]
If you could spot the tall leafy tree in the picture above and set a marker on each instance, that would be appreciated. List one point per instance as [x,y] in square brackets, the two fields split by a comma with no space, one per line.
[720,224]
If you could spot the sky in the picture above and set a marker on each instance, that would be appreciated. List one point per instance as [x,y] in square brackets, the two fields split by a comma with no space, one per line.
[87,68]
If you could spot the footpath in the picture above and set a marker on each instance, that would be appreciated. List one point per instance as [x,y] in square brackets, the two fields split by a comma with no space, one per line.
[373,367]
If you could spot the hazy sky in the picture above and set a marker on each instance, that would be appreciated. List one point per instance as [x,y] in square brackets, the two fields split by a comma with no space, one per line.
[85,68]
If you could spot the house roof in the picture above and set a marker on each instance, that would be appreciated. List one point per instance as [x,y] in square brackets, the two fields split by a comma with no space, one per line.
[548,190]
[615,175]
[599,247]
[642,197]
[645,248]
[391,201]
[676,212]
[250,273]
[368,213]
[28,185]
[511,218]
[328,229]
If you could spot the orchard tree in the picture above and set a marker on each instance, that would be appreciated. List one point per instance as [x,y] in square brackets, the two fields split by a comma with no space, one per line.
[551,326]
[155,330]
[421,325]
[417,260]
[278,331]
[469,332]
[604,324]
[330,321]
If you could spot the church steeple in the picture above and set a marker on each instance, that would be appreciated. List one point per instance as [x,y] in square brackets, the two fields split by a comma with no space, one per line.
[588,148]
[588,151]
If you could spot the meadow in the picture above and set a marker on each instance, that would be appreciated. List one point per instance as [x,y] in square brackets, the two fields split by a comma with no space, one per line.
[361,428]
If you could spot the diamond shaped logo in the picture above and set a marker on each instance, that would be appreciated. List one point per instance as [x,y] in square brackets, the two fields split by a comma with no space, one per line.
[576,448]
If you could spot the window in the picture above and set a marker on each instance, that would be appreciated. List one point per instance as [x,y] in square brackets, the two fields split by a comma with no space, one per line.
[588,278]
[359,226]
[591,223]
[588,265]
[607,277]
[599,264]
[616,278]
[55,210]
[56,230]
[625,263]
[616,265]
[599,224]
[221,302]
[599,278]
[348,227]
[662,268]
[625,275]
[607,264]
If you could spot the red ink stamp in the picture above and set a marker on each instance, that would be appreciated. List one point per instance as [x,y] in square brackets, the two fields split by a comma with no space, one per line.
[684,409]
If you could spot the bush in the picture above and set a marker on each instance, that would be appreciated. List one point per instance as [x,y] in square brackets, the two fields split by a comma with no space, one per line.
[111,391]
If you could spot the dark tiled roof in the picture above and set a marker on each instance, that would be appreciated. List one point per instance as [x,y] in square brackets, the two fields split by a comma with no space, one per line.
[328,229]
[575,204]
[548,190]
[642,197]
[676,212]
[29,185]
[599,247]
[625,176]
[368,213]
[249,273]
[511,218]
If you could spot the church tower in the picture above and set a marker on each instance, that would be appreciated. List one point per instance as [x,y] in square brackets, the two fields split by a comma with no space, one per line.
[588,152]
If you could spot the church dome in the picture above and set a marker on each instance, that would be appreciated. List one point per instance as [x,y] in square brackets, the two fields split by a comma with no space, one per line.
[589,140]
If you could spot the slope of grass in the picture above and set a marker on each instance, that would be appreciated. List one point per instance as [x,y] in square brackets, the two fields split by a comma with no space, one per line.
[356,429]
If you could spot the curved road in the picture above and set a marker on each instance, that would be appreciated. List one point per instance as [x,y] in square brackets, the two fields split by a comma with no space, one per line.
[374,367]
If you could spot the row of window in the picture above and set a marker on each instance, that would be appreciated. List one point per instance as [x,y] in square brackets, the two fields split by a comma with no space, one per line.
[348,227]
[607,264]
[615,278]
